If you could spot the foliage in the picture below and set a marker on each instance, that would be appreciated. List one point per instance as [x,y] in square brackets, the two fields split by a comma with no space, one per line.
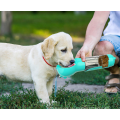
[8,86]
[21,39]
[65,100]
[47,23]
[96,77]
[24,100]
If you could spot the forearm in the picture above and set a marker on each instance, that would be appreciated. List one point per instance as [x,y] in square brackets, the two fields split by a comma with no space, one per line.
[95,28]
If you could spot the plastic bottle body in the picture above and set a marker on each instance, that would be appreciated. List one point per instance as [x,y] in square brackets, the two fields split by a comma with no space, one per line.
[80,66]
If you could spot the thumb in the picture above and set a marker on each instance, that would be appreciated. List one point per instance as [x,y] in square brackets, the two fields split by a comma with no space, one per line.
[83,56]
[78,54]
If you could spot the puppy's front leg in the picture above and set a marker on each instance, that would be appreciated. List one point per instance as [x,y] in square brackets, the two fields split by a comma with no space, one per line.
[41,90]
[49,86]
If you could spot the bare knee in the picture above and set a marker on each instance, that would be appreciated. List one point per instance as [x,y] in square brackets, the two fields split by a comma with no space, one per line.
[102,48]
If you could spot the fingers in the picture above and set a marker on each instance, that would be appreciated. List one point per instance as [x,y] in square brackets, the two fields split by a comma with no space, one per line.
[78,54]
[81,54]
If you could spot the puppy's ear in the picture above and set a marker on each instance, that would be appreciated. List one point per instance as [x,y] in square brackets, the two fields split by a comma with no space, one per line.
[48,47]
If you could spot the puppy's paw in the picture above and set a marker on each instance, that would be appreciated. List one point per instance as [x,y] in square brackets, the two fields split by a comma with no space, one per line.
[53,102]
[45,102]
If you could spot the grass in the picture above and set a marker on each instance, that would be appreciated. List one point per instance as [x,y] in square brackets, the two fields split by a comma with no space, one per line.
[20,98]
[65,100]
[47,23]
[96,77]
[21,39]
[8,86]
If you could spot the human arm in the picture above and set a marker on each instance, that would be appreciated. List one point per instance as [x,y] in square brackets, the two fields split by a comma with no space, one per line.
[93,34]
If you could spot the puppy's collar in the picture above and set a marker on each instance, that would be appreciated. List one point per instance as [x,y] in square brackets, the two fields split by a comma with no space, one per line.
[47,62]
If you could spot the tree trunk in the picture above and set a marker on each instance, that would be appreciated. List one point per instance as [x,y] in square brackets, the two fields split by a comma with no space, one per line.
[6,20]
[79,12]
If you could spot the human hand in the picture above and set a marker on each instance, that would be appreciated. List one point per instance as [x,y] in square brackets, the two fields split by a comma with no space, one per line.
[84,52]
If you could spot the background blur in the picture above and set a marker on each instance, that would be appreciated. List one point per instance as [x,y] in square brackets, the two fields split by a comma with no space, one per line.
[40,24]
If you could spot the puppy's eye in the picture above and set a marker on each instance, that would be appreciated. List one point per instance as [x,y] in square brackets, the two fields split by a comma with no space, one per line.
[64,50]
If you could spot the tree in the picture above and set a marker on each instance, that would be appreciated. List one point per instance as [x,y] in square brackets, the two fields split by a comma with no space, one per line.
[79,12]
[6,21]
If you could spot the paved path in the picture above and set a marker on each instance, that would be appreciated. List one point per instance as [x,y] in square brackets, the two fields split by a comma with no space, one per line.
[72,87]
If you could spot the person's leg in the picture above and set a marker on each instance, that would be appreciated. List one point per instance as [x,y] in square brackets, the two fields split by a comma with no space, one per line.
[105,47]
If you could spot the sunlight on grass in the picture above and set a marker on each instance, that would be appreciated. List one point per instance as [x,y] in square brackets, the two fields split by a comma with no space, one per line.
[42,33]
[2,38]
[16,37]
[47,33]
[78,39]
[44,24]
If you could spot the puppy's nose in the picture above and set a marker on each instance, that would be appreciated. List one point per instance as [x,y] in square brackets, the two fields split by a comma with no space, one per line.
[72,61]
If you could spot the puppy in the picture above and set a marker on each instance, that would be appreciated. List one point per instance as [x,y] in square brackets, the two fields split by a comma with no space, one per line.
[37,63]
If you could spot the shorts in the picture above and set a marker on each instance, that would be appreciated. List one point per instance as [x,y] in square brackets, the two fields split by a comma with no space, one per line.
[115,40]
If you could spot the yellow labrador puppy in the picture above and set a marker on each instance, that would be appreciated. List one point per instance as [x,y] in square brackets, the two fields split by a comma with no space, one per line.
[37,63]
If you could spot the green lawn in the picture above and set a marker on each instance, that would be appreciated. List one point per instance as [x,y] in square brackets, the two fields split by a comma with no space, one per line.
[47,23]
[65,100]
[96,77]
